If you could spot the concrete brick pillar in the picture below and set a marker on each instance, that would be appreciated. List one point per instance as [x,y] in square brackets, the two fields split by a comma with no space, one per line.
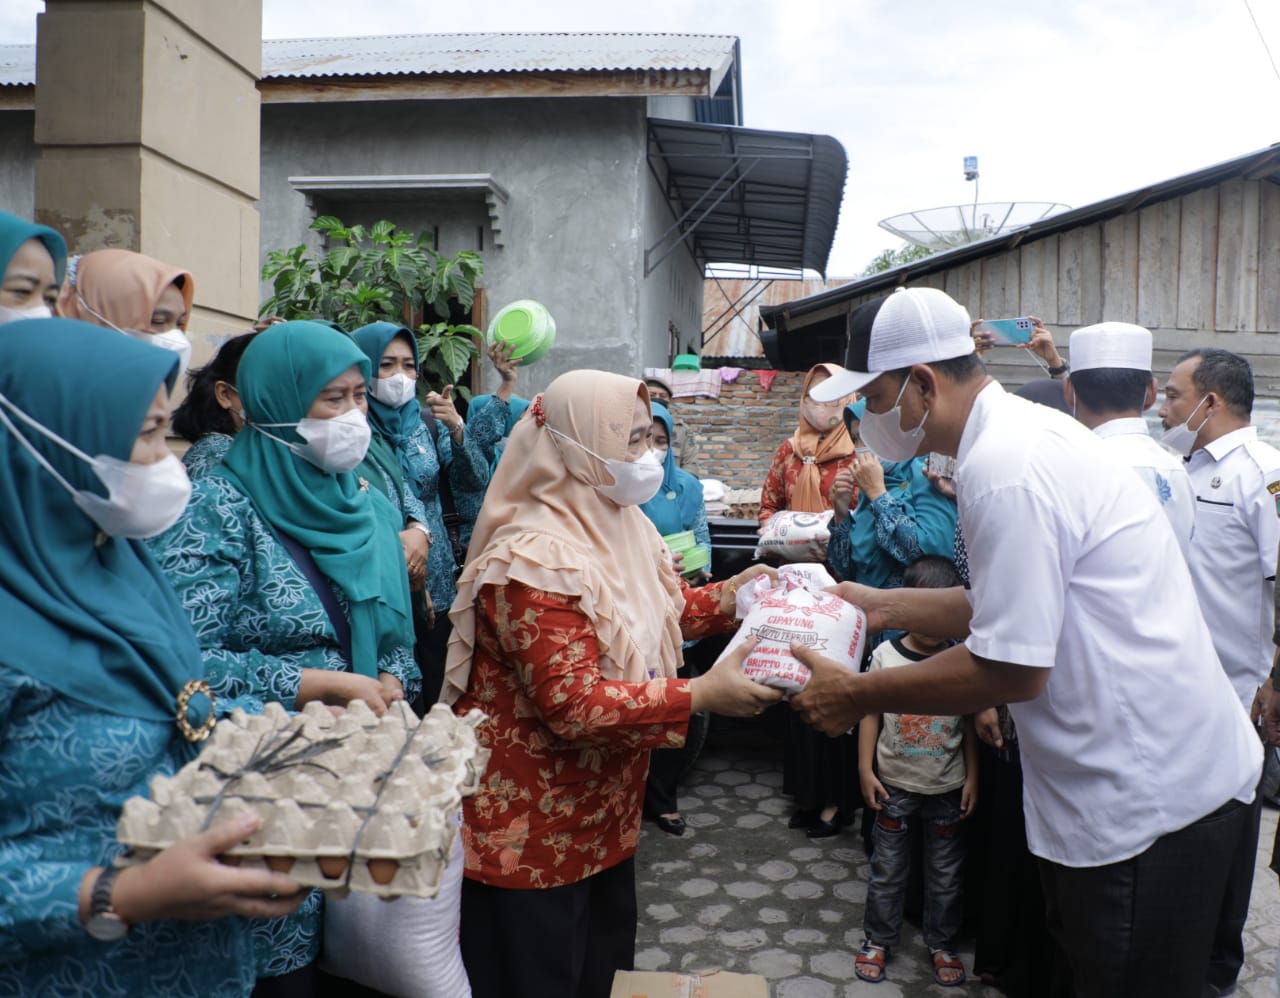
[147,115]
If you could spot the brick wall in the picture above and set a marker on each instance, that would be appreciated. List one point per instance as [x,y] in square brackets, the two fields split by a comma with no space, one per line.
[740,430]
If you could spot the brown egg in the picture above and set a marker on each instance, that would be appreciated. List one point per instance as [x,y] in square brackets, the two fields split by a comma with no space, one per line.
[281,864]
[383,871]
[332,867]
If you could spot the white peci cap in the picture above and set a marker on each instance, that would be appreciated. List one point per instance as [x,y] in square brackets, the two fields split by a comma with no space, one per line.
[1110,345]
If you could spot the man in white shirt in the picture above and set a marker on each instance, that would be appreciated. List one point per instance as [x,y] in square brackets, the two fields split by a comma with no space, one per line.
[1138,759]
[1208,405]
[1109,388]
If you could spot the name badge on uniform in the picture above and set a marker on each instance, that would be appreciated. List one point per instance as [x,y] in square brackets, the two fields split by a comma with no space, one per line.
[1274,489]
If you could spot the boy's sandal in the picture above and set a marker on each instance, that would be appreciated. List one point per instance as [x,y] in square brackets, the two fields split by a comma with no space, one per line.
[869,965]
[943,960]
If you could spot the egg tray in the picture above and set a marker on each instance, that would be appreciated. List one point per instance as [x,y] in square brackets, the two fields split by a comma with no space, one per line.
[353,802]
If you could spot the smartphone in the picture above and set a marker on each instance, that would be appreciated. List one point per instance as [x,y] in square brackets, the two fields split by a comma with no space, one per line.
[1008,332]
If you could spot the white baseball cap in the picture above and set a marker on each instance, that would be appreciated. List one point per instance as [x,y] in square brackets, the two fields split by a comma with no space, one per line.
[910,326]
[1111,345]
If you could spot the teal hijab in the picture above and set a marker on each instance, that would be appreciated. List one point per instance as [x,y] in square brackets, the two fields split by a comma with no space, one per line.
[15,231]
[97,622]
[352,534]
[392,425]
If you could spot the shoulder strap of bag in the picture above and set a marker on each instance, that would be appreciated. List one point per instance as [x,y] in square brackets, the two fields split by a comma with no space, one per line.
[307,565]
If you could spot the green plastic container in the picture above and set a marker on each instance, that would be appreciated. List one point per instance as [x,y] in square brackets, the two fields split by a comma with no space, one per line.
[695,560]
[527,326]
[680,542]
[686,362]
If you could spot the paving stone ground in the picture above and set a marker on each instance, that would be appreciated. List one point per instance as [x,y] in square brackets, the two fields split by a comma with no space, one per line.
[743,892]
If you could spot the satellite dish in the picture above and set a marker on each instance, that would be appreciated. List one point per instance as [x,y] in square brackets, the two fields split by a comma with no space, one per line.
[938,229]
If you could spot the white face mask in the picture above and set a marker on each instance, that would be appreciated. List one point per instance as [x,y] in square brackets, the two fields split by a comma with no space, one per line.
[333,445]
[883,432]
[660,454]
[394,391]
[8,315]
[171,339]
[143,499]
[1181,438]
[634,482]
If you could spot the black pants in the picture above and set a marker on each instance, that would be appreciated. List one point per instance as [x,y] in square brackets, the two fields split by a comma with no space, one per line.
[1227,956]
[665,768]
[1143,928]
[564,942]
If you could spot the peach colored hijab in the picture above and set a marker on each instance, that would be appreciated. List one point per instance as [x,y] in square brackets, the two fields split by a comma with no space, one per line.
[545,526]
[121,286]
[816,448]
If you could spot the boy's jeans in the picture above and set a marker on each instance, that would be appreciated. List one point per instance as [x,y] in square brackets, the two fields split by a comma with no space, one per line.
[891,862]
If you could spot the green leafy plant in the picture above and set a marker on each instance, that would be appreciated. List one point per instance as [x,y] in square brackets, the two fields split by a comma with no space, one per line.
[382,274]
[890,258]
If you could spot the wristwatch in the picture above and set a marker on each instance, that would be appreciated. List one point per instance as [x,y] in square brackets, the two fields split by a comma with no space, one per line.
[418,525]
[103,923]
[1062,368]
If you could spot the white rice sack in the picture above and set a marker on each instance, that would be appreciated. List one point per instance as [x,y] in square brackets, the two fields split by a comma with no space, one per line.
[796,609]
[407,947]
[794,536]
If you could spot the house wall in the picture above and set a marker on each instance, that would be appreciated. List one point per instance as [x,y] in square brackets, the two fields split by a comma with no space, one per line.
[1200,270]
[18,163]
[573,229]
[739,432]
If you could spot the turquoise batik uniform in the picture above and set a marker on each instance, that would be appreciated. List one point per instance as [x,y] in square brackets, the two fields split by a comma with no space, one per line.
[206,454]
[468,477]
[259,621]
[96,648]
[679,504]
[490,421]
[65,773]
[257,616]
[421,460]
[878,539]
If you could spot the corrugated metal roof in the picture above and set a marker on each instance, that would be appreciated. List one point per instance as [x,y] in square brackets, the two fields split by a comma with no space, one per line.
[17,65]
[1259,165]
[747,196]
[484,52]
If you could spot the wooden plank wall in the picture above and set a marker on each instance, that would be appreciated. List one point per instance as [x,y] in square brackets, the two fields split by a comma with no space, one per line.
[1198,270]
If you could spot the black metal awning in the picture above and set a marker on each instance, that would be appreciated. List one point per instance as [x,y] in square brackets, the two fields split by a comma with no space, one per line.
[745,196]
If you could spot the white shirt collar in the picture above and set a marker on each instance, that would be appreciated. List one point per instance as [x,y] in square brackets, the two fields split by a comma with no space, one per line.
[1225,444]
[1125,425]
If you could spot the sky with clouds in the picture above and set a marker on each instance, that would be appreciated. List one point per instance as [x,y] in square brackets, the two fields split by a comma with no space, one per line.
[1061,101]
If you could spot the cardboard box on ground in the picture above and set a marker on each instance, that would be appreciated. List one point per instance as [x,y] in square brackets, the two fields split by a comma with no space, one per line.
[664,984]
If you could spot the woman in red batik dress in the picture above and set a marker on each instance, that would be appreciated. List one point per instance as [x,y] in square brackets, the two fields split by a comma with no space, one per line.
[567,633]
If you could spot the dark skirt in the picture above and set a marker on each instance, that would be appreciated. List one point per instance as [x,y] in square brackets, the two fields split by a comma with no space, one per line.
[818,771]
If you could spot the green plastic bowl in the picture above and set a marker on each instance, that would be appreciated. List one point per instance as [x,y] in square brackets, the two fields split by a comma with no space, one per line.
[527,326]
[686,362]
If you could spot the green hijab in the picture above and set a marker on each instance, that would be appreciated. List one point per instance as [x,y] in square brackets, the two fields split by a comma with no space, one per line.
[352,534]
[96,621]
[15,231]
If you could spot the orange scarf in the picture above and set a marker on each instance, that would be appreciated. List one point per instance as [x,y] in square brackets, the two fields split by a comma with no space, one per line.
[816,448]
